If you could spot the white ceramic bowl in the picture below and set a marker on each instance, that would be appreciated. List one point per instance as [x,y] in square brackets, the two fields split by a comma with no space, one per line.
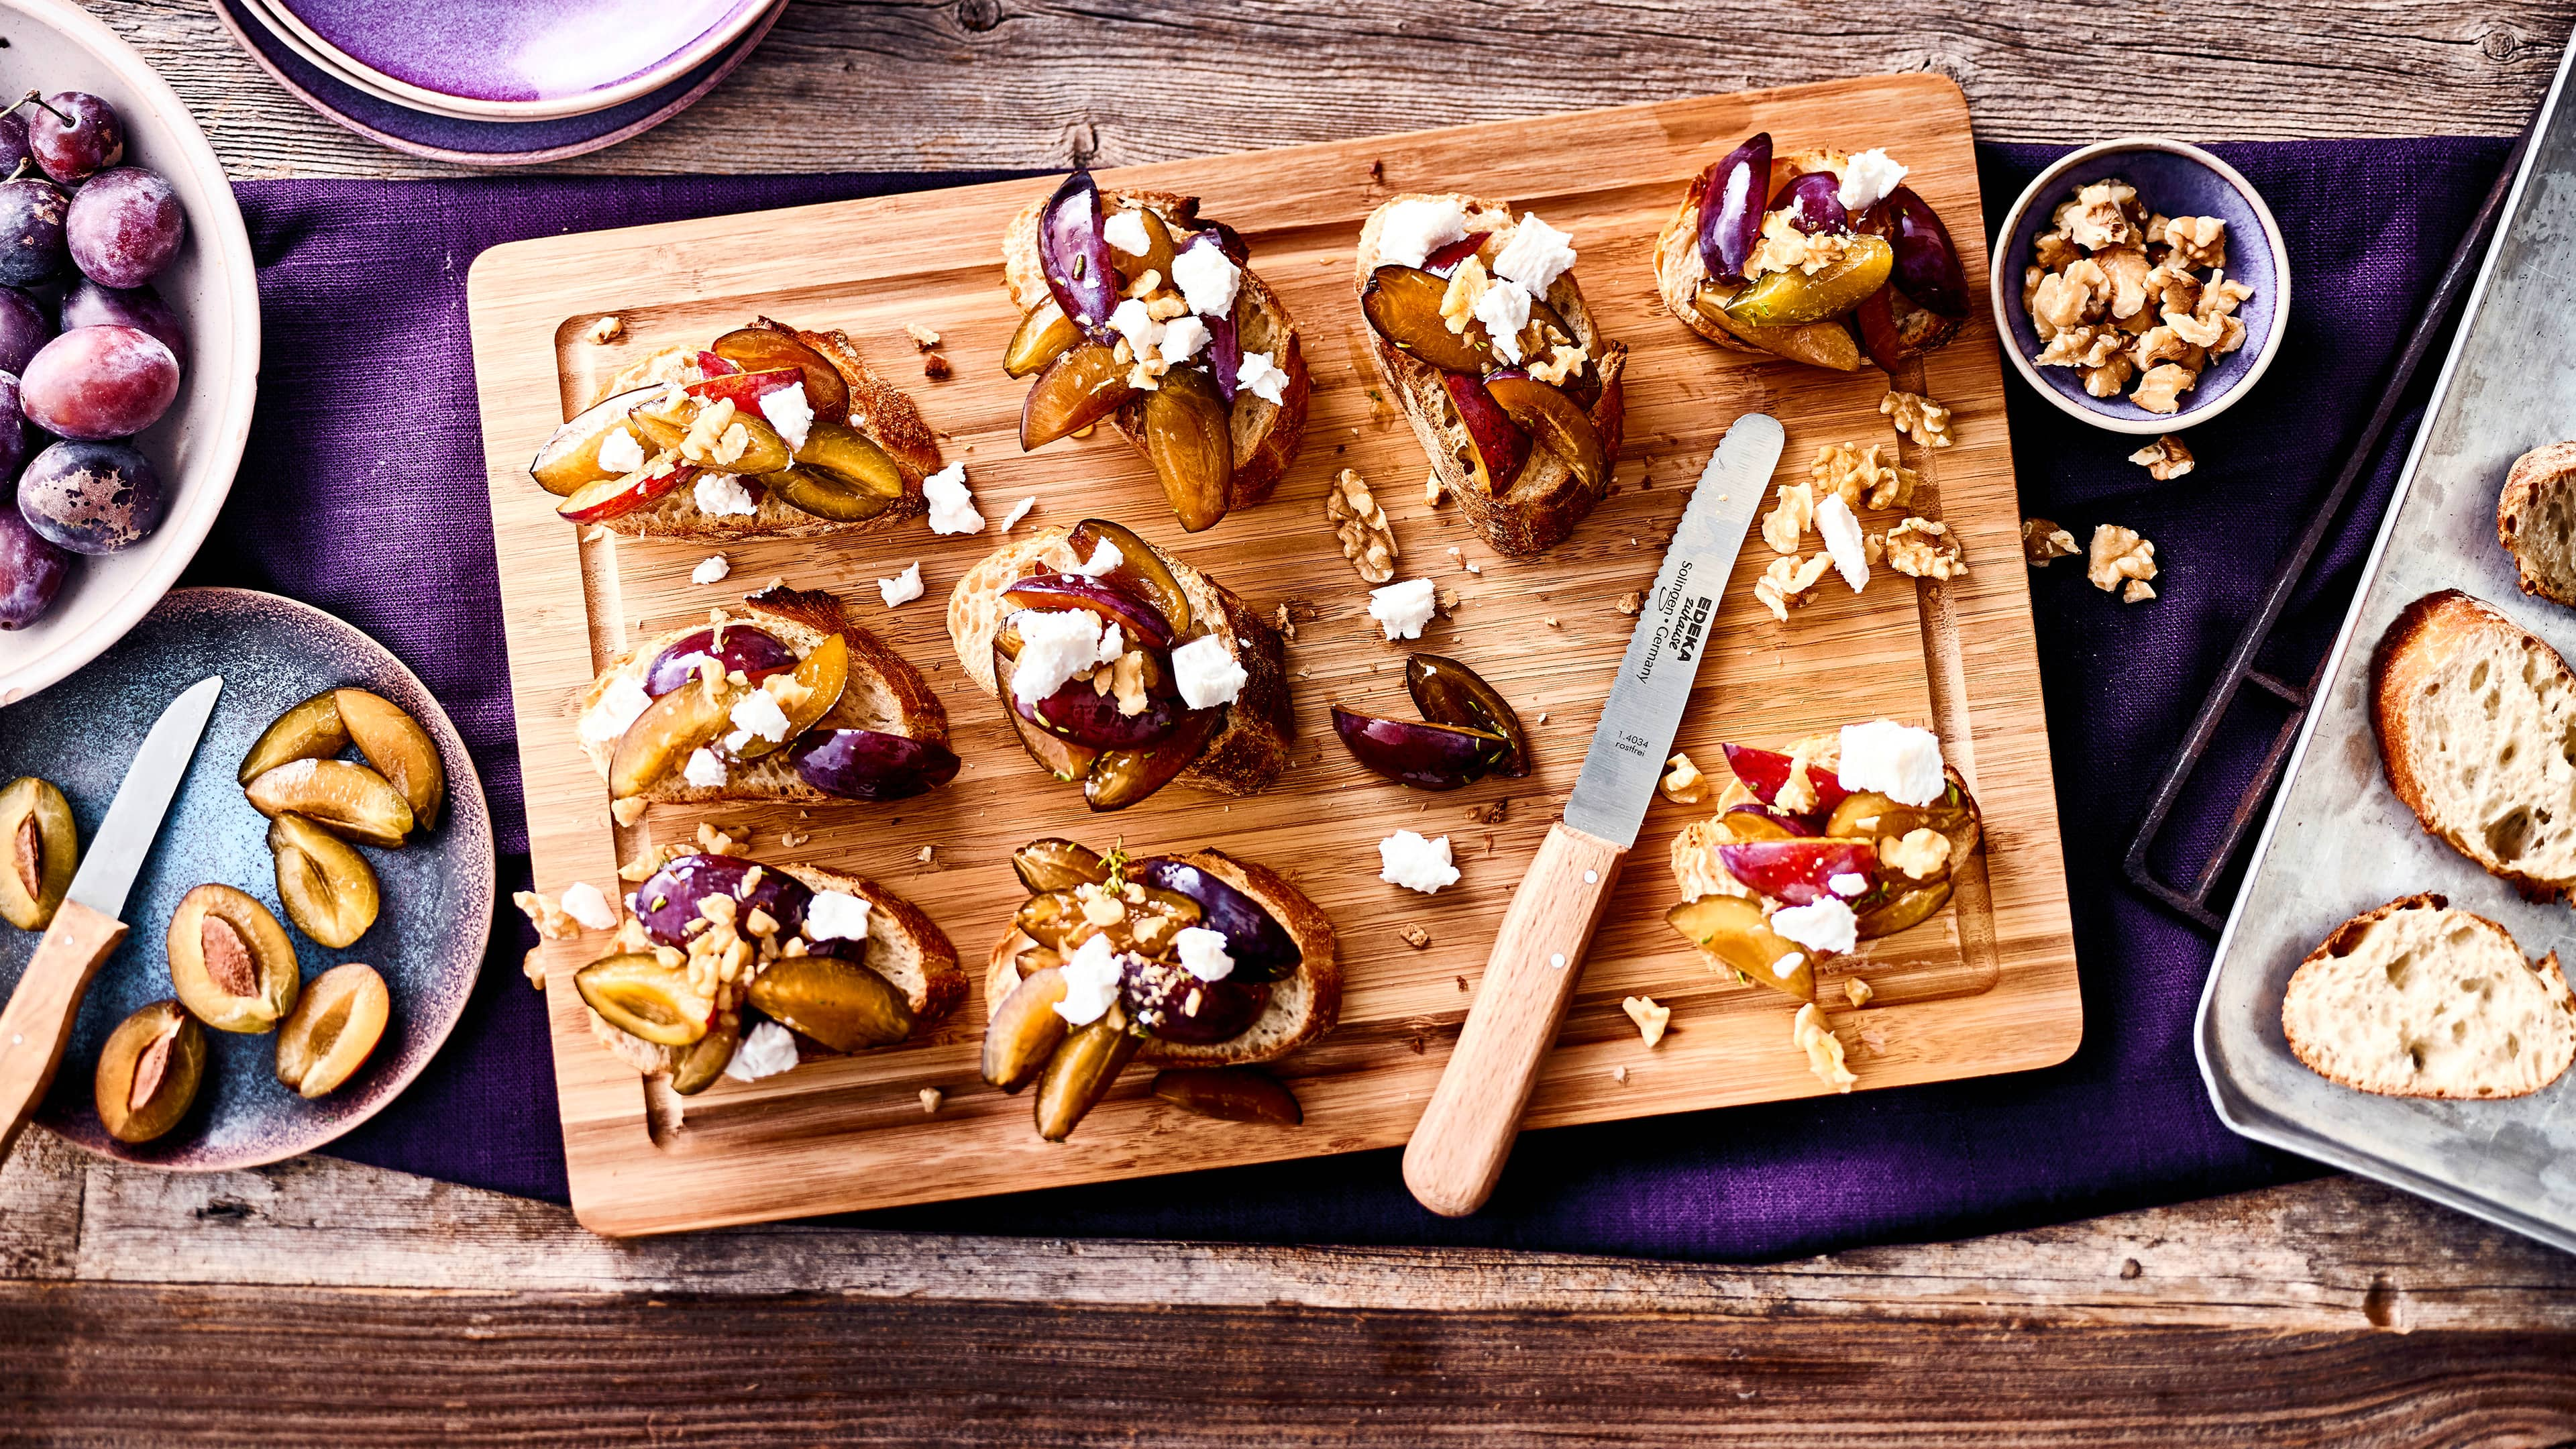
[197,445]
[2176,179]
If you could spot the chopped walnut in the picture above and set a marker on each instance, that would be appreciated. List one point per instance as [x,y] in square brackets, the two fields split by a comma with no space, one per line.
[1416,937]
[1811,1034]
[1682,780]
[608,329]
[2086,346]
[1787,522]
[715,841]
[2107,379]
[2053,250]
[1562,361]
[2137,591]
[2160,391]
[2057,304]
[2042,542]
[628,810]
[790,839]
[1785,248]
[1917,417]
[1359,521]
[533,966]
[2161,344]
[1919,853]
[2197,241]
[1629,603]
[2119,555]
[922,337]
[552,921]
[1652,1017]
[1864,477]
[1467,285]
[1857,991]
[937,368]
[1797,794]
[2100,216]
[2127,270]
[1784,585]
[1921,548]
[2165,459]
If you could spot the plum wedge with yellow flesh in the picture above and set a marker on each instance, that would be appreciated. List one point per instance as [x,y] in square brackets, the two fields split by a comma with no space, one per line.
[41,851]
[1817,344]
[1894,910]
[1497,448]
[743,649]
[351,801]
[310,731]
[230,961]
[838,1002]
[1262,948]
[1057,864]
[763,450]
[763,349]
[1120,778]
[1058,921]
[1081,1071]
[1189,439]
[640,996]
[333,1029]
[840,473]
[1803,871]
[1025,1031]
[569,461]
[1548,415]
[1425,756]
[1402,304]
[1140,570]
[702,1063]
[663,737]
[1735,931]
[1043,336]
[1229,1094]
[1761,822]
[1786,299]
[398,748]
[1136,618]
[615,497]
[1731,194]
[327,887]
[1080,388]
[805,695]
[1868,815]
[1448,692]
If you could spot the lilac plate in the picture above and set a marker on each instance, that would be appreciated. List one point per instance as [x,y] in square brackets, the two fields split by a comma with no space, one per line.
[2177,180]
[438,891]
[518,60]
[477,143]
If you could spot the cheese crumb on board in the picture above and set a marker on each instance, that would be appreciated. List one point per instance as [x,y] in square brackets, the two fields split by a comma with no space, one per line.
[903,588]
[1407,859]
[1652,1017]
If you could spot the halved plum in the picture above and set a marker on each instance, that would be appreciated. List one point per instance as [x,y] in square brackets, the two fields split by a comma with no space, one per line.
[762,349]
[1498,449]
[1927,262]
[1120,778]
[752,652]
[1786,299]
[1800,872]
[1730,208]
[1449,693]
[1056,755]
[1765,771]
[569,461]
[1403,305]
[1053,863]
[1170,1004]
[1760,822]
[1894,911]
[1078,389]
[612,497]
[1814,203]
[1074,254]
[872,765]
[1735,931]
[1140,570]
[840,473]
[804,697]
[1189,438]
[1262,949]
[1043,336]
[1139,620]
[1551,417]
[672,897]
[1425,756]
[664,736]
[637,994]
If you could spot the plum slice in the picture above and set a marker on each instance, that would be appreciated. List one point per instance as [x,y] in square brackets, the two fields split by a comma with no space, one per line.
[754,653]
[1786,299]
[762,349]
[1895,331]
[1444,261]
[1735,931]
[1078,389]
[1765,771]
[1086,716]
[1025,1030]
[1189,438]
[1140,620]
[1425,756]
[1229,1094]
[1760,822]
[1057,864]
[840,473]
[1800,872]
[674,896]
[1548,415]
[1869,815]
[1170,1004]
[1262,949]
[1074,254]
[664,736]
[1081,1071]
[1055,754]
[1899,910]
[1057,921]
[763,450]
[1498,449]
[570,459]
[1730,208]
[872,765]
[1043,336]
[836,1001]
[804,697]
[1120,778]
[1402,305]
[1817,344]
[1140,570]
[1160,247]
[1814,203]
[743,389]
[1927,262]
[1448,692]
[640,996]
[612,497]
[714,364]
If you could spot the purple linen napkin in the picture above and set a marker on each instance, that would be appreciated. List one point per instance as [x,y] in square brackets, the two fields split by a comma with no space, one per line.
[363,493]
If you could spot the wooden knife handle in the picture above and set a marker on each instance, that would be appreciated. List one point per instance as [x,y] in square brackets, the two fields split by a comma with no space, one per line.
[37,1023]
[1458,1148]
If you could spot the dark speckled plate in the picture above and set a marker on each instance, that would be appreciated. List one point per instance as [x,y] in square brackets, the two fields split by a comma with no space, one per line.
[428,942]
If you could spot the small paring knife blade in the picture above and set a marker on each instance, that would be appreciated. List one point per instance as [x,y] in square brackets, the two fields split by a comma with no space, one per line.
[1458,1149]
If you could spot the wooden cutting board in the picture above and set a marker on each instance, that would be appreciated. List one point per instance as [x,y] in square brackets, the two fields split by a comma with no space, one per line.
[1987,987]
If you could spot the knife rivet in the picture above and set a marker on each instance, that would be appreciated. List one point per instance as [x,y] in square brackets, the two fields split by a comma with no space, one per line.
[1592,877]
[1557,960]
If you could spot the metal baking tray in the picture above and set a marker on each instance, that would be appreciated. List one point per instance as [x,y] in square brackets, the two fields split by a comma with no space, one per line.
[2339,842]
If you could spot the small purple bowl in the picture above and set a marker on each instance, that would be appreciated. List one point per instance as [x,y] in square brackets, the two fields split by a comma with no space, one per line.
[2176,179]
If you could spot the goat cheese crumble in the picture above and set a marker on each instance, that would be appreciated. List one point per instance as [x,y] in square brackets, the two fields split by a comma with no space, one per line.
[704,770]
[836,916]
[1056,645]
[1207,277]
[617,708]
[584,903]
[1203,953]
[722,494]
[1104,558]
[1183,338]
[1125,230]
[1091,977]
[1535,255]
[790,412]
[711,569]
[619,453]
[1018,511]
[1841,531]
[1898,761]
[1827,927]
[755,716]
[1868,178]
[1402,608]
[1206,672]
[1408,860]
[952,504]
[766,1050]
[1259,376]
[1504,310]
[903,588]
[1412,230]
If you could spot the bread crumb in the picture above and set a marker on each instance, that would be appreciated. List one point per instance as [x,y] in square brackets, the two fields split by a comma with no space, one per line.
[1542,716]
[533,965]
[936,368]
[1550,621]
[608,329]
[922,337]
[1652,1018]
[1619,1074]
[931,1097]
[1416,937]
[1857,991]
[628,810]
[1434,492]
[1631,603]
[1462,983]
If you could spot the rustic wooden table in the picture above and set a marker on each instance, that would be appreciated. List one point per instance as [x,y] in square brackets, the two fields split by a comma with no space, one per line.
[320,1301]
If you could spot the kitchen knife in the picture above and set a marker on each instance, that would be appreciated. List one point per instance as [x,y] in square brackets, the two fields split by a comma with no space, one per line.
[1458,1148]
[38,1020]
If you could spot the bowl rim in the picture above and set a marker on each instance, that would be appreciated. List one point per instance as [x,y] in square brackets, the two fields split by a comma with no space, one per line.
[2046,183]
[226,425]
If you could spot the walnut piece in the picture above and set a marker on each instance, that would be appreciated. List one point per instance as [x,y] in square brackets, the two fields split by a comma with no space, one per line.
[936,367]
[1359,521]
[2115,293]
[2043,541]
[2100,215]
[1864,477]
[1651,1017]
[2160,391]
[1917,417]
[608,329]
[1682,780]
[1629,603]
[2197,241]
[1787,522]
[2118,555]
[922,337]
[1921,548]
[1857,991]
[1919,853]
[1809,1033]
[2085,346]
[2165,459]
[2053,250]
[552,921]
[1797,794]
[2107,379]
[1416,937]
[1785,584]
[2127,270]
[1785,248]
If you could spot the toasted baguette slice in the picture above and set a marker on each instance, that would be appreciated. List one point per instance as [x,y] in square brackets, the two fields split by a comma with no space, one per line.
[1247,752]
[1302,1007]
[877,409]
[2536,521]
[1679,271]
[2473,715]
[1547,500]
[2418,1000]
[904,946]
[1265,433]
[885,694]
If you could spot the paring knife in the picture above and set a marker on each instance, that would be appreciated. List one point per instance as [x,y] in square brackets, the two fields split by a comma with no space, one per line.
[38,1020]
[1458,1148]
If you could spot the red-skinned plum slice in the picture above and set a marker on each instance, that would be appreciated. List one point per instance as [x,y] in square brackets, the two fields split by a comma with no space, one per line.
[1074,254]
[1927,262]
[872,765]
[762,349]
[1140,570]
[1799,872]
[1262,949]
[1761,822]
[671,897]
[1765,771]
[1425,756]
[1549,415]
[1501,449]
[1120,778]
[744,389]
[611,497]
[1170,1004]
[1445,261]
[569,462]
[1141,621]
[755,652]
[1449,693]
[1814,203]
[1730,208]
[1402,305]
[1086,716]
[715,364]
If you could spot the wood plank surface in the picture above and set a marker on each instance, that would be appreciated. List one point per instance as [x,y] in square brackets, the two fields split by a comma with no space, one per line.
[919,84]
[1985,987]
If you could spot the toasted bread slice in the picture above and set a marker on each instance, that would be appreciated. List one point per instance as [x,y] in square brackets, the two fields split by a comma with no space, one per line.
[885,694]
[1679,270]
[2473,714]
[904,946]
[877,409]
[1265,433]
[1547,500]
[1302,1007]
[2415,999]
[2536,521]
[1247,752]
